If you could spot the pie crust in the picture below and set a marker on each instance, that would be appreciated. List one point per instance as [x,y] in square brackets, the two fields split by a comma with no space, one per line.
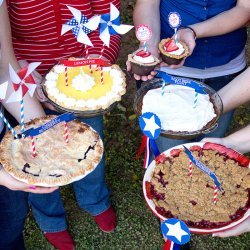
[175,194]
[57,163]
[99,96]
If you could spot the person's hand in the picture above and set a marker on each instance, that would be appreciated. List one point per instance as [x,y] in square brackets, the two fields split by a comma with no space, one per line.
[154,51]
[235,231]
[186,36]
[15,185]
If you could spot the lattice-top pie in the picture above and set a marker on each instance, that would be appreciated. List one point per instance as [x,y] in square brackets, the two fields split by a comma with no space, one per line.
[175,194]
[57,162]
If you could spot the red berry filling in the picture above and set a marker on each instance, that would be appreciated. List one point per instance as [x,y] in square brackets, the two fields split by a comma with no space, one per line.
[170,46]
[143,53]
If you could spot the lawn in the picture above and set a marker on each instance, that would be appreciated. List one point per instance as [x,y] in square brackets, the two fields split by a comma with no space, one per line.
[137,227]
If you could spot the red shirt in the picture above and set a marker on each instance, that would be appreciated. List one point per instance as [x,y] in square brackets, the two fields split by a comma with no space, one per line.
[36,30]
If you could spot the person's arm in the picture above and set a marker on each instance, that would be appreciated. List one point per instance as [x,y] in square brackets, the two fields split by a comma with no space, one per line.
[148,12]
[225,22]
[33,108]
[15,185]
[237,92]
[243,227]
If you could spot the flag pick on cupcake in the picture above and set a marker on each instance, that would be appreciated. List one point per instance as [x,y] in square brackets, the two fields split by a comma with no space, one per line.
[3,91]
[174,20]
[110,25]
[176,233]
[81,26]
[150,125]
[143,34]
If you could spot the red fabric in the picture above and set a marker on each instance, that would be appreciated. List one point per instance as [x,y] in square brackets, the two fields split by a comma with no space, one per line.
[36,30]
[106,220]
[60,240]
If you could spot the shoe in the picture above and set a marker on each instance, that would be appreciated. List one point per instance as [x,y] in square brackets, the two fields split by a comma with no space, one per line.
[106,220]
[60,240]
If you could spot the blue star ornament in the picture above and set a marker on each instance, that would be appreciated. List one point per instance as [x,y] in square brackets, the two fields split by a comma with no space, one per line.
[176,231]
[110,25]
[150,125]
[81,26]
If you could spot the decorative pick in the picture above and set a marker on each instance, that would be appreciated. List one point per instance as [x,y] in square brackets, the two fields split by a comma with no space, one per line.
[143,34]
[110,25]
[174,20]
[81,26]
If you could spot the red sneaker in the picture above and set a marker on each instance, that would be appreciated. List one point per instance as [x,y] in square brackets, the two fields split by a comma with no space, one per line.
[106,220]
[60,240]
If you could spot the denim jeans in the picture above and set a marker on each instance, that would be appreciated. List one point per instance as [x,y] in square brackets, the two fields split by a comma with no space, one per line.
[13,210]
[216,83]
[91,194]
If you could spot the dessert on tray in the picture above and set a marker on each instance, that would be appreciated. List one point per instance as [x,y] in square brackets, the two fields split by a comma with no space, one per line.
[175,194]
[142,62]
[85,88]
[175,108]
[56,162]
[173,52]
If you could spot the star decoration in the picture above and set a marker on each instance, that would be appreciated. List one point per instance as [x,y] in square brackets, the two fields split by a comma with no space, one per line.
[176,231]
[23,82]
[150,125]
[110,25]
[81,26]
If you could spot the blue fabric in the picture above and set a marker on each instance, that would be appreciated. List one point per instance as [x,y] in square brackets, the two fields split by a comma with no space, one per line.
[13,210]
[210,51]
[91,194]
[216,83]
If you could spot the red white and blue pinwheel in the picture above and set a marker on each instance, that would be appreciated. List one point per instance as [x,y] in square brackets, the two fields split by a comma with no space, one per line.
[110,25]
[81,26]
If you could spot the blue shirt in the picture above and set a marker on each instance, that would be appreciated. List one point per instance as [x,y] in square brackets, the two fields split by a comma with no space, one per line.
[210,51]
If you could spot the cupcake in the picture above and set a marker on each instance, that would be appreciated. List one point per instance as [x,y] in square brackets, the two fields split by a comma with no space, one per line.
[142,62]
[171,52]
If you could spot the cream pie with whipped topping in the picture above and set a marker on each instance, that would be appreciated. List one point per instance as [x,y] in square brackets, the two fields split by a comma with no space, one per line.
[171,52]
[84,90]
[142,62]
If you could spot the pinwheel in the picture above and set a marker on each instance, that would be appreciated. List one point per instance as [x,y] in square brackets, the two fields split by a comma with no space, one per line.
[81,26]
[3,91]
[110,25]
[23,83]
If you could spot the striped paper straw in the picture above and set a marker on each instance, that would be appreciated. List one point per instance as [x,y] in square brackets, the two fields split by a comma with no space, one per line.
[163,88]
[102,76]
[8,125]
[195,99]
[215,194]
[66,76]
[145,46]
[33,146]
[190,169]
[66,132]
[22,115]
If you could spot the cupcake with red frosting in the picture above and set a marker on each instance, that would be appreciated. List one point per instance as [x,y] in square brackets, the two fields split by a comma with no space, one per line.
[142,62]
[173,52]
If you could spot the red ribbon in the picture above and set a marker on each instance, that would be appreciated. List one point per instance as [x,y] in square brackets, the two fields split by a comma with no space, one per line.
[90,61]
[142,147]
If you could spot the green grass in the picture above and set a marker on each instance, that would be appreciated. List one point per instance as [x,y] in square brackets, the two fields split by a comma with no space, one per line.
[137,227]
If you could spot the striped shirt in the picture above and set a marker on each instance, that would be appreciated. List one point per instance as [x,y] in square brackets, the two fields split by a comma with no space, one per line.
[36,30]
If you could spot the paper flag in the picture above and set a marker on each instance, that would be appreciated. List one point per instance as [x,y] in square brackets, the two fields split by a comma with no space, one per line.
[110,25]
[174,20]
[81,26]
[3,90]
[198,87]
[203,167]
[150,124]
[23,82]
[176,231]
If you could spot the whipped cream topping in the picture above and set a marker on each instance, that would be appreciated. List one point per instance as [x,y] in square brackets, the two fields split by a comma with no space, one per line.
[83,82]
[179,51]
[148,59]
[102,102]
[176,108]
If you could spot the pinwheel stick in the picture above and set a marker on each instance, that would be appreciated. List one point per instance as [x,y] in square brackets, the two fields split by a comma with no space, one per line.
[66,76]
[190,169]
[87,56]
[66,132]
[33,146]
[8,125]
[22,115]
[215,194]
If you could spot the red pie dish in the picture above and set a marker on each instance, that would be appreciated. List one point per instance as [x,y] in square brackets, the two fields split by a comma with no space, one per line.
[170,191]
